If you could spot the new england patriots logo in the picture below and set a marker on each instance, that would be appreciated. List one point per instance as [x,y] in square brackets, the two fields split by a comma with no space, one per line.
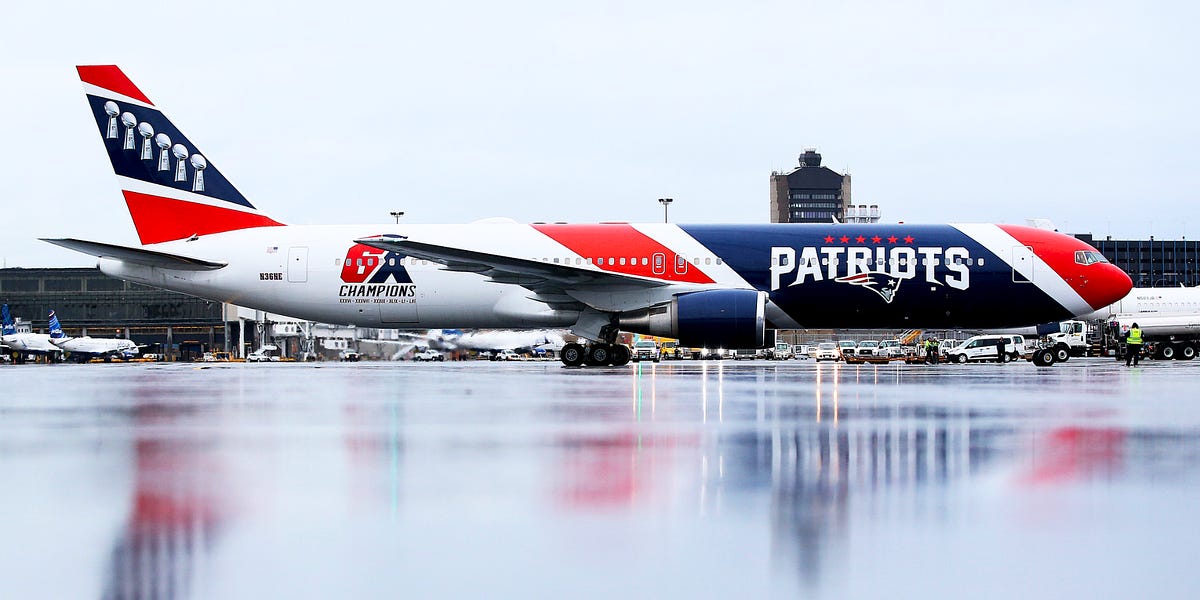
[881,283]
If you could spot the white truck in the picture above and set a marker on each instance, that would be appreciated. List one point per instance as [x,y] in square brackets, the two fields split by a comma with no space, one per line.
[266,353]
[645,350]
[1164,336]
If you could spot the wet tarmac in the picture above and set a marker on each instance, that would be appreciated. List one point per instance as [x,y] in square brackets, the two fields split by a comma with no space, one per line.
[530,480]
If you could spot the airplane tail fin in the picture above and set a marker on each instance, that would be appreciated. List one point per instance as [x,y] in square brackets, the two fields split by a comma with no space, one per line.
[8,327]
[172,190]
[56,331]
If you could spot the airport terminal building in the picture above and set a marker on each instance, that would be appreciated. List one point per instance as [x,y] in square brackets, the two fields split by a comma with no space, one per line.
[88,302]
[1152,263]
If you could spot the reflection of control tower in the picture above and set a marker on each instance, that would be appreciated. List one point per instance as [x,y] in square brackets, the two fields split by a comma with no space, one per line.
[815,472]
[818,471]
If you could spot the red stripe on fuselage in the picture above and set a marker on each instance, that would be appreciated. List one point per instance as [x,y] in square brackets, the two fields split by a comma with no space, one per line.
[111,78]
[159,219]
[1099,284]
[615,242]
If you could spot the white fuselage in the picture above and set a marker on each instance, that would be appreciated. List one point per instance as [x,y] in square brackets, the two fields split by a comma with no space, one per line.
[301,271]
[99,346]
[1151,301]
[30,342]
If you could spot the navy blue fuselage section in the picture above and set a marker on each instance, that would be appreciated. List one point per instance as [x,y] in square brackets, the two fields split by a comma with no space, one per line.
[129,162]
[880,275]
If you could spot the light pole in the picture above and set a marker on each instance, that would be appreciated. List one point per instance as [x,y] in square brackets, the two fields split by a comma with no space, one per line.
[666,202]
[397,214]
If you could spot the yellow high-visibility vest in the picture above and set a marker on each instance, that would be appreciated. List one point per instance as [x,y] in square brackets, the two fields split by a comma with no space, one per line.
[1135,336]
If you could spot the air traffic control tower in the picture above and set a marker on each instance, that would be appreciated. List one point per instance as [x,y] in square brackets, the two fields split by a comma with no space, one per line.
[810,193]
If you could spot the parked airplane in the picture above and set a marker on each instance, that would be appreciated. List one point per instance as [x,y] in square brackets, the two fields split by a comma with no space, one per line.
[494,340]
[28,343]
[706,285]
[90,347]
[1146,304]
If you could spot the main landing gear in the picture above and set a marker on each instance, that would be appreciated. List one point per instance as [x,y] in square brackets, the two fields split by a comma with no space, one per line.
[597,354]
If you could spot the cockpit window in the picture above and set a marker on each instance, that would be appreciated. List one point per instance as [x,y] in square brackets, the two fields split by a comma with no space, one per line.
[1089,257]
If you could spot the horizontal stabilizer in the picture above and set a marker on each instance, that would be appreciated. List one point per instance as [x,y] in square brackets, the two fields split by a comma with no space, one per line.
[137,256]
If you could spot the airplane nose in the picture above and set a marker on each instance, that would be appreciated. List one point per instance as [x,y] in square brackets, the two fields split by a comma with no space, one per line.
[1101,284]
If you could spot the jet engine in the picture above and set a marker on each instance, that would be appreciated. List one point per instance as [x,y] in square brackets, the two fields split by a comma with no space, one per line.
[715,318]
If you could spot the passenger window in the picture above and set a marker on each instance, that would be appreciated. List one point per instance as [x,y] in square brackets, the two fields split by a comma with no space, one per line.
[718,260]
[622,261]
[708,261]
[645,261]
[359,263]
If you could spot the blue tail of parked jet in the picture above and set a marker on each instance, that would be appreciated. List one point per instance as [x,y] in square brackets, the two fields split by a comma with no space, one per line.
[56,331]
[9,328]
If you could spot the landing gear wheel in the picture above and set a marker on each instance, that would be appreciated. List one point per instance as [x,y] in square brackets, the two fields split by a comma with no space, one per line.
[961,359]
[1043,358]
[619,356]
[598,355]
[1186,352]
[1061,353]
[572,355]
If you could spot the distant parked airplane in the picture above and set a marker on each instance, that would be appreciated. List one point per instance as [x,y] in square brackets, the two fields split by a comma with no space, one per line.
[88,347]
[27,343]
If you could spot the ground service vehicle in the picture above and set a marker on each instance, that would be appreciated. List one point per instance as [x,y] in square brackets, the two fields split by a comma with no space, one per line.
[846,347]
[828,351]
[705,285]
[1165,336]
[987,347]
[670,351]
[867,349]
[429,355]
[889,349]
[266,353]
[645,350]
[781,351]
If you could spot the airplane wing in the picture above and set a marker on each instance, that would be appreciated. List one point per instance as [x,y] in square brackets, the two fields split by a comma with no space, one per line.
[559,286]
[137,256]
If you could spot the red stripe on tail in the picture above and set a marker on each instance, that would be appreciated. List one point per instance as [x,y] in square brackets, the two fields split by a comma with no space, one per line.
[112,79]
[159,219]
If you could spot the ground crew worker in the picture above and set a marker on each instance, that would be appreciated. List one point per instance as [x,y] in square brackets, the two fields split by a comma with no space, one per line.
[935,348]
[1133,345]
[928,350]
[1000,350]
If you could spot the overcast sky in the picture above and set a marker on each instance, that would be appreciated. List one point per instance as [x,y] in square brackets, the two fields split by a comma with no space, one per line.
[339,112]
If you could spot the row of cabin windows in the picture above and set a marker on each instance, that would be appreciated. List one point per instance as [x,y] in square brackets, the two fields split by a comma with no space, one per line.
[783,261]
[633,260]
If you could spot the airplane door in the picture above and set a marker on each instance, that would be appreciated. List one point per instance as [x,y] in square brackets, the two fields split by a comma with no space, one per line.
[298,264]
[681,264]
[1022,264]
[658,263]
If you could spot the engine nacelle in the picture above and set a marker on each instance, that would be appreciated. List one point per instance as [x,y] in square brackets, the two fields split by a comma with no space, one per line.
[716,318]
